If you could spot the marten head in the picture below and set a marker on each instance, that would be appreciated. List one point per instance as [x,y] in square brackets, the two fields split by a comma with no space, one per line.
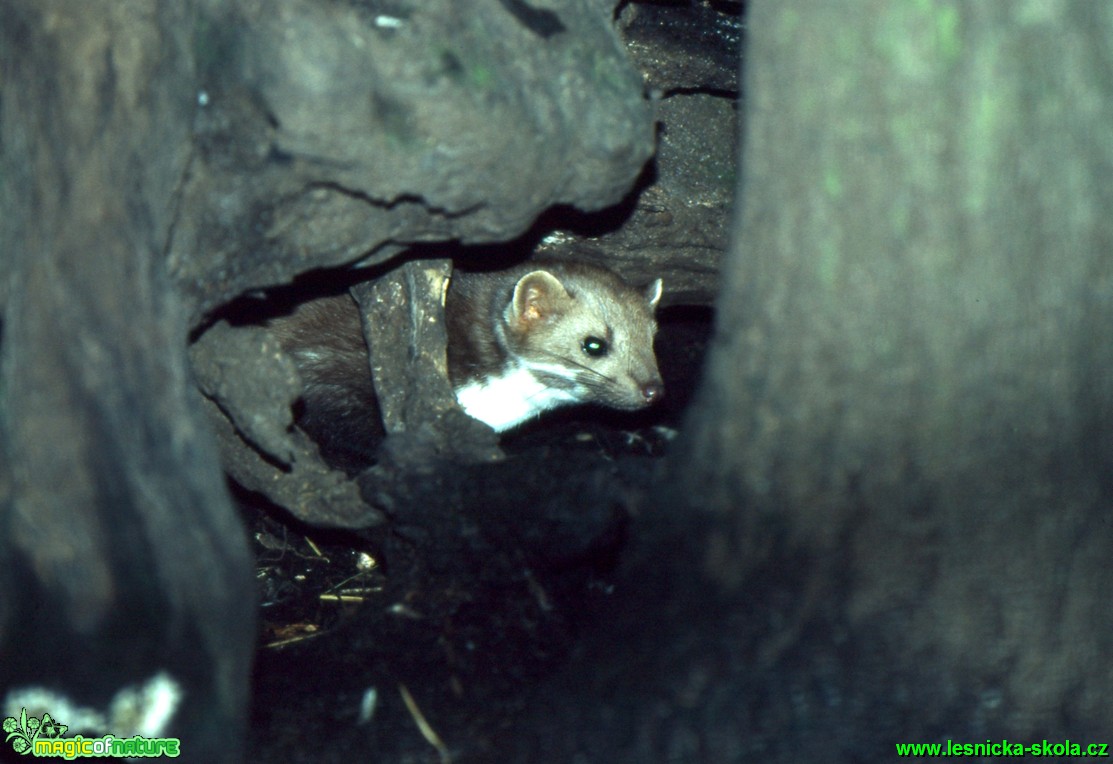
[583,330]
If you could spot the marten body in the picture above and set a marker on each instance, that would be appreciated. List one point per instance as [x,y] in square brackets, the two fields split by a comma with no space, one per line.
[520,342]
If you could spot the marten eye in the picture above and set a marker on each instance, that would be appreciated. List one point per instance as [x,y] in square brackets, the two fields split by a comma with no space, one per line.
[594,347]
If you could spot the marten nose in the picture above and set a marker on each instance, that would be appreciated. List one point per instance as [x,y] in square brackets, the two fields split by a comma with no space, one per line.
[653,392]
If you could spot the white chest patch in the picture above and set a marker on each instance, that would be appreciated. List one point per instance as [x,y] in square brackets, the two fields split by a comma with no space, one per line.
[508,400]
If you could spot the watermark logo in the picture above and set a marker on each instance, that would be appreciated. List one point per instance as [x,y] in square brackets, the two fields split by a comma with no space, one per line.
[45,737]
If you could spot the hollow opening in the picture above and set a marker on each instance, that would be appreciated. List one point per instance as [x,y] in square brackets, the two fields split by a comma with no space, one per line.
[479,583]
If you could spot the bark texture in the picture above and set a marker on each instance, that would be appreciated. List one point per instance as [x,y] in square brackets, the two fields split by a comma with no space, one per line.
[910,392]
[122,556]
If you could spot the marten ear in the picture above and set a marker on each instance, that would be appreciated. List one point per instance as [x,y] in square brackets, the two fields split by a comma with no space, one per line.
[537,296]
[653,293]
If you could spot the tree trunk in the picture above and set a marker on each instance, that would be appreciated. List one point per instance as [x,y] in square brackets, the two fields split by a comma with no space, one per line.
[124,565]
[910,392]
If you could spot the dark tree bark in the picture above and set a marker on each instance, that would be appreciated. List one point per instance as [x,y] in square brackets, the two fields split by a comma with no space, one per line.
[122,557]
[910,399]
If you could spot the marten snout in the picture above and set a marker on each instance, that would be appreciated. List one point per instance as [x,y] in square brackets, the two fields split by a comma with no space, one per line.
[652,392]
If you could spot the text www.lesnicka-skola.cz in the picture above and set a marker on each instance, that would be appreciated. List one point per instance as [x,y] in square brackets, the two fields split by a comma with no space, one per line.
[1003,748]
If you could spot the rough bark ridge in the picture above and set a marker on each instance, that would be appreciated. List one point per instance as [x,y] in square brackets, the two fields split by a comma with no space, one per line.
[911,391]
[331,132]
[101,428]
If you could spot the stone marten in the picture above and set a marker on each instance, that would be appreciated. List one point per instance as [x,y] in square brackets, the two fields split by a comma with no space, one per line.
[520,342]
